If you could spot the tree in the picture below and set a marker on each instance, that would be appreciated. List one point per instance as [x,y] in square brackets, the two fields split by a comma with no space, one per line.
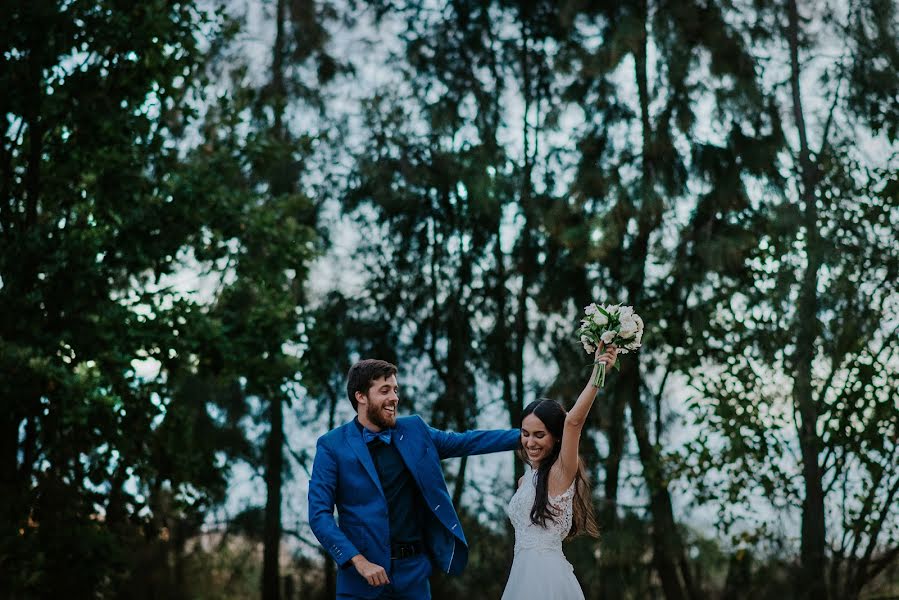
[275,234]
[647,159]
[94,97]
[478,227]
[816,321]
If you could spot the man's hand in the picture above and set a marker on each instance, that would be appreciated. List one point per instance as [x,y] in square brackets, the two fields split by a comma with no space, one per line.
[374,574]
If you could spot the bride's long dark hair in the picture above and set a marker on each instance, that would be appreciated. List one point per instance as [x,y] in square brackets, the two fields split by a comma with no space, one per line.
[552,415]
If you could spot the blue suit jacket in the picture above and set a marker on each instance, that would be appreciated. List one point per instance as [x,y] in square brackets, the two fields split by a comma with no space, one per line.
[343,475]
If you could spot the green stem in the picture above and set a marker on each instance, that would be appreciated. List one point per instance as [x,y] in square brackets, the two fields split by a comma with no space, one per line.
[599,380]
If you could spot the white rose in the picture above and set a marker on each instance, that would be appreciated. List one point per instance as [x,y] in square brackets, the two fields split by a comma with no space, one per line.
[607,337]
[629,327]
[589,348]
[625,312]
[599,319]
[639,321]
[639,337]
[590,309]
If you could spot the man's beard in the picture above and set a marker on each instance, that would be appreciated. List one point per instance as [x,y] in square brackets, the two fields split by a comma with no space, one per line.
[376,417]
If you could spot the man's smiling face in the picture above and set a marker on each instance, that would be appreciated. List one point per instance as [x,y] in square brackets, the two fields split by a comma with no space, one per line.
[380,402]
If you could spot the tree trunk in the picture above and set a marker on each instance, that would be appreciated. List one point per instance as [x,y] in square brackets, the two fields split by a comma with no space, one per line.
[504,366]
[527,258]
[9,447]
[35,142]
[812,580]
[738,583]
[289,587]
[12,505]
[179,540]
[271,576]
[9,468]
[611,582]
[668,552]
[274,459]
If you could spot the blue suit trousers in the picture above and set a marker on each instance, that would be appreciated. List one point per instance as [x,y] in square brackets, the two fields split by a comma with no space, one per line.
[408,580]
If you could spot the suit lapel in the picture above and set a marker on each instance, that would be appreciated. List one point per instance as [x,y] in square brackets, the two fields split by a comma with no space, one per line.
[354,440]
[408,443]
[400,441]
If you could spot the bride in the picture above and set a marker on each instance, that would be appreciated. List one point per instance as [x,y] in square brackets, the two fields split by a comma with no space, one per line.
[552,502]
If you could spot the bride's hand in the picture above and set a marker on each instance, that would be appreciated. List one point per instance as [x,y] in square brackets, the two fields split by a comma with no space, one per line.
[608,355]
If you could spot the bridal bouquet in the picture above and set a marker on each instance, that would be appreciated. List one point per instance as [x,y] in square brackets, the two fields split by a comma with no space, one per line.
[606,325]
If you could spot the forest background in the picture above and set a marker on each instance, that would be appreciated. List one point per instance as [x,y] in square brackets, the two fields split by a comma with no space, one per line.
[209,210]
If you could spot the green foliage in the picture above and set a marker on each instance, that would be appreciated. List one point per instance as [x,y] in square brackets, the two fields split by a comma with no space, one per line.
[122,395]
[89,223]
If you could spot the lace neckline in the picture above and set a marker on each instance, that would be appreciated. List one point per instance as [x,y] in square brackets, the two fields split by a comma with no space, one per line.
[541,537]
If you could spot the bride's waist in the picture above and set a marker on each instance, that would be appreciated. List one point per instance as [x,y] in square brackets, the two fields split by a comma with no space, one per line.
[539,546]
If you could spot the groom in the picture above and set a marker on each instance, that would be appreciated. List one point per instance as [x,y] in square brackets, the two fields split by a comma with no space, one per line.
[396,522]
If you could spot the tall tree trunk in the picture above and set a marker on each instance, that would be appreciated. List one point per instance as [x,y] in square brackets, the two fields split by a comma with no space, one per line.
[668,552]
[13,511]
[35,142]
[459,386]
[527,256]
[179,540]
[9,468]
[274,467]
[504,364]
[522,266]
[611,581]
[289,587]
[521,318]
[738,583]
[330,590]
[812,580]
[274,459]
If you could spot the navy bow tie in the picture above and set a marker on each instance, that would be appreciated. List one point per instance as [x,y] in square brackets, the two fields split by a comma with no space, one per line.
[369,436]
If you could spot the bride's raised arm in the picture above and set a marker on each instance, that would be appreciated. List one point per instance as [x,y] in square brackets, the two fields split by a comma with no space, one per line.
[567,464]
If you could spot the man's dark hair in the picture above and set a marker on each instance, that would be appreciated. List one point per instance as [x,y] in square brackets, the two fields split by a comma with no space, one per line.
[363,373]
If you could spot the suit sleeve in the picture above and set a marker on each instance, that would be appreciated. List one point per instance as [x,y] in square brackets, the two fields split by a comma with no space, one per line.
[477,441]
[322,495]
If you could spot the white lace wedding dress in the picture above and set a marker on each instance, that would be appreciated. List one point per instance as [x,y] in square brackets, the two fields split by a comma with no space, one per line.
[540,569]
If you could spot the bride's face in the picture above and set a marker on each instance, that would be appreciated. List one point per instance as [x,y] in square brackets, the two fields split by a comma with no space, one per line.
[536,440]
